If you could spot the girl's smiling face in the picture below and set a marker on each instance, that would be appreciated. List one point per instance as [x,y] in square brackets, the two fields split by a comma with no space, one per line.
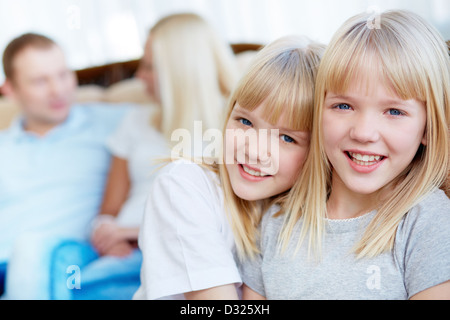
[370,134]
[263,160]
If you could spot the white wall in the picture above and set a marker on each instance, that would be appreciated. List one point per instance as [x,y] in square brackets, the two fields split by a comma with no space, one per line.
[95,32]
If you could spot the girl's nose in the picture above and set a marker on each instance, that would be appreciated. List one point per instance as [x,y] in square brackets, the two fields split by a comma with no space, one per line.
[264,153]
[251,147]
[364,129]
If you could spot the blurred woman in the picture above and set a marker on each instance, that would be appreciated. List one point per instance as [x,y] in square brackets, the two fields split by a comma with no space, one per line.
[189,73]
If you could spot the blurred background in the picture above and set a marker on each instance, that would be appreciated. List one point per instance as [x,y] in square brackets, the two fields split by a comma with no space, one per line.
[98,32]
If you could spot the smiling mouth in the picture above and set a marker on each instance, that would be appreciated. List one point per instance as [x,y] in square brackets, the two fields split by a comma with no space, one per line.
[253,172]
[364,159]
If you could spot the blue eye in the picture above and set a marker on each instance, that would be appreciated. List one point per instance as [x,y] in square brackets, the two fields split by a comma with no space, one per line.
[287,139]
[395,112]
[343,106]
[245,122]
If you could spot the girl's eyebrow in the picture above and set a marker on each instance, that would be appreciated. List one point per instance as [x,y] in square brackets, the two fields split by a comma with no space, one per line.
[336,96]
[384,102]
[341,97]
[239,109]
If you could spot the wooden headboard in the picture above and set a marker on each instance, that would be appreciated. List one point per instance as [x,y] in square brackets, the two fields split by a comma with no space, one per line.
[109,74]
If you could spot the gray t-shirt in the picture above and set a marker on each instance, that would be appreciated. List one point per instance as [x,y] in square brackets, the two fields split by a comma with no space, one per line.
[420,259]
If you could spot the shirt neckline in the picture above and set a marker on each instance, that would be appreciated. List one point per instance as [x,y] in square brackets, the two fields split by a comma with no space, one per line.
[349,225]
[74,119]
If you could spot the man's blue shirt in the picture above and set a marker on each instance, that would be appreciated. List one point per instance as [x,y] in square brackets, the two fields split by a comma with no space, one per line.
[54,184]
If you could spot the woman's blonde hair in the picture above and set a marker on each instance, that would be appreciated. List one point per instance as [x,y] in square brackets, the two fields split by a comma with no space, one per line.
[280,80]
[196,72]
[413,60]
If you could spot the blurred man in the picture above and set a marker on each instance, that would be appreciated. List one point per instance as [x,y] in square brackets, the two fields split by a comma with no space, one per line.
[53,164]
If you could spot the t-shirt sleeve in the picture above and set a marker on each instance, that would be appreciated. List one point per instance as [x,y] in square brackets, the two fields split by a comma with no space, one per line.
[182,237]
[426,243]
[251,274]
[120,141]
[251,268]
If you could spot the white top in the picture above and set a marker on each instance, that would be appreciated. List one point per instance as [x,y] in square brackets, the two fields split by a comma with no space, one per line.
[186,240]
[141,145]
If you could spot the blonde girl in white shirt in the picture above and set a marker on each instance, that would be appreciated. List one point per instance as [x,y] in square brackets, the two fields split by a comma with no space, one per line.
[188,72]
[200,218]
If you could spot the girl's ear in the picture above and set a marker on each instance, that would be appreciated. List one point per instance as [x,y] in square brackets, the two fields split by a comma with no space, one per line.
[424,138]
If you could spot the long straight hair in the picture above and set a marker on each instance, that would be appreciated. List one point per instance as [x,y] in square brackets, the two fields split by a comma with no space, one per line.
[280,80]
[413,60]
[196,72]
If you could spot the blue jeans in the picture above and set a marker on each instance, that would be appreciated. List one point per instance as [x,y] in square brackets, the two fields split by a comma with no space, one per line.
[2,277]
[29,276]
[52,268]
[80,274]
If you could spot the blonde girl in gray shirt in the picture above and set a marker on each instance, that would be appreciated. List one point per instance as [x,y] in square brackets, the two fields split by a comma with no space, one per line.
[366,219]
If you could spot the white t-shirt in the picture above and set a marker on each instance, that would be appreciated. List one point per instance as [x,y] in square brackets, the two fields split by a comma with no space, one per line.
[141,145]
[186,240]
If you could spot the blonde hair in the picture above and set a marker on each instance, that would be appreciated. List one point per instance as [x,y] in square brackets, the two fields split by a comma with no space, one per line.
[281,79]
[196,72]
[413,60]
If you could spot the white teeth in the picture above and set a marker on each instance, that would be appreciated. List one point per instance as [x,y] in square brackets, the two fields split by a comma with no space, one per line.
[253,172]
[364,160]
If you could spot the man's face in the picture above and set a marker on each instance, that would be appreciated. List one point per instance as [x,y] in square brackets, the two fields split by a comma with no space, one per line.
[43,86]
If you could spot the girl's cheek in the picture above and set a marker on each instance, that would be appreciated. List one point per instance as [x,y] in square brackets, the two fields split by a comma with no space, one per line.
[293,161]
[233,146]
[229,150]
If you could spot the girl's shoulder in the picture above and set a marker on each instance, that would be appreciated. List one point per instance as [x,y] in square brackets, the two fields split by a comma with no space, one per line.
[430,217]
[434,207]
[187,171]
[186,167]
[422,245]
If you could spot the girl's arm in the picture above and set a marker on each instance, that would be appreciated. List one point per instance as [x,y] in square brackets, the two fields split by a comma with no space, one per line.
[183,237]
[117,187]
[225,292]
[439,292]
[249,294]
